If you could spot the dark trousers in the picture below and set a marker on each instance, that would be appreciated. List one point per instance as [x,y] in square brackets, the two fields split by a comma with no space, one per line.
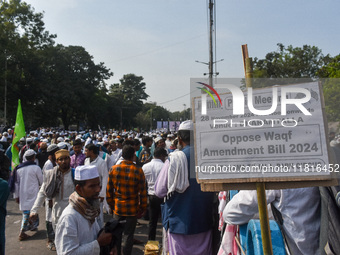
[49,231]
[154,211]
[126,240]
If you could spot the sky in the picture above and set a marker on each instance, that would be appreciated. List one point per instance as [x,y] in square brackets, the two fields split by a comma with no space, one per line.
[161,39]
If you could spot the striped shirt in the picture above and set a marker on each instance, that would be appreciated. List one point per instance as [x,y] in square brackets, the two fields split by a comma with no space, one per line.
[126,189]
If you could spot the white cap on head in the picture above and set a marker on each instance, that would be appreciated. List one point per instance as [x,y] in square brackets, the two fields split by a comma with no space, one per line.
[157,139]
[62,145]
[60,139]
[186,125]
[86,172]
[52,147]
[29,153]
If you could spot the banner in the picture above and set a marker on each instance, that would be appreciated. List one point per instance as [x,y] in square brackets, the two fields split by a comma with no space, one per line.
[165,124]
[19,132]
[172,126]
[275,135]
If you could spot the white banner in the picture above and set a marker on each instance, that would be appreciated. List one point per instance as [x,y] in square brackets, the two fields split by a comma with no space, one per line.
[288,142]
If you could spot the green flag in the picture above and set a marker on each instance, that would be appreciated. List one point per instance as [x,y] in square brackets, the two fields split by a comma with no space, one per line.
[19,132]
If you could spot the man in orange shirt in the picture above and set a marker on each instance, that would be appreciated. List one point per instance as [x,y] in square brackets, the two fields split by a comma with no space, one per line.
[126,196]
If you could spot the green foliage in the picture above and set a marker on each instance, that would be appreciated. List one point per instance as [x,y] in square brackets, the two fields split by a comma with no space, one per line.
[60,84]
[288,65]
[298,65]
[331,88]
[290,62]
[331,70]
[53,82]
[331,91]
[128,97]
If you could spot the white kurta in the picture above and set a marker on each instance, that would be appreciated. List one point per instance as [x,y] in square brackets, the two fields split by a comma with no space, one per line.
[29,179]
[102,171]
[76,235]
[116,155]
[151,171]
[300,209]
[41,196]
[61,200]
[108,159]
[48,165]
[103,176]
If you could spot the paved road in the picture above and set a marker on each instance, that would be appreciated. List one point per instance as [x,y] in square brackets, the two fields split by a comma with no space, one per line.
[36,244]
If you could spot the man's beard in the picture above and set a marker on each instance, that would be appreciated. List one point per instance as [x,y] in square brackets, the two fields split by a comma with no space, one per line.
[95,202]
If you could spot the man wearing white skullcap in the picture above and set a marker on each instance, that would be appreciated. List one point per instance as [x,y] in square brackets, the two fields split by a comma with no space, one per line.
[49,165]
[4,137]
[29,179]
[92,158]
[78,228]
[189,225]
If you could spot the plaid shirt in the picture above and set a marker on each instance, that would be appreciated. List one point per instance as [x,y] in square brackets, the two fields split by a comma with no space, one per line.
[126,189]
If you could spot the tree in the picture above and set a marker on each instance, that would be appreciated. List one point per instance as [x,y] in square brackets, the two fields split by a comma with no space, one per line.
[22,36]
[331,70]
[292,64]
[76,83]
[128,97]
[331,88]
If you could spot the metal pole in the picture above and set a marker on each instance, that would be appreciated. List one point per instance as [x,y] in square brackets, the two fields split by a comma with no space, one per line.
[211,54]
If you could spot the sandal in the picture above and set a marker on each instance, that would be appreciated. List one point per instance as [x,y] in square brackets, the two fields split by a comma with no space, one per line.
[23,236]
[51,246]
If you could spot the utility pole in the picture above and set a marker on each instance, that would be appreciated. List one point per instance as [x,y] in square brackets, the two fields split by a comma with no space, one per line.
[211,46]
[212,41]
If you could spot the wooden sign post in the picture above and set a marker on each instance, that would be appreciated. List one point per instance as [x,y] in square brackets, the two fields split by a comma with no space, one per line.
[260,186]
[268,138]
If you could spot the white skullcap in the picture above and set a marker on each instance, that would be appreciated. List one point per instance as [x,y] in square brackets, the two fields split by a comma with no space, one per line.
[186,125]
[86,172]
[157,139]
[52,147]
[29,153]
[62,145]
[29,139]
[60,139]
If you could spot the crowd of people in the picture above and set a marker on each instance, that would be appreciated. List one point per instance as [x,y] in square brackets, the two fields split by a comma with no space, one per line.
[79,176]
